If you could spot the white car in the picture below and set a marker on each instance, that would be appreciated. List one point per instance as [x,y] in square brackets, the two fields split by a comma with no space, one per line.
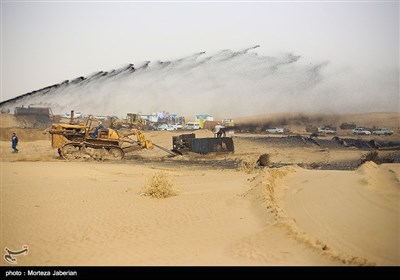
[162,127]
[274,130]
[361,131]
[383,131]
[326,131]
[171,127]
[100,117]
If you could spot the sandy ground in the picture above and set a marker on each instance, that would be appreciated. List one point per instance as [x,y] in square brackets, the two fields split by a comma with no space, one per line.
[95,213]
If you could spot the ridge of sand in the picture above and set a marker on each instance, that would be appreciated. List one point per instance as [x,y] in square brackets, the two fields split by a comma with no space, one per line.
[350,216]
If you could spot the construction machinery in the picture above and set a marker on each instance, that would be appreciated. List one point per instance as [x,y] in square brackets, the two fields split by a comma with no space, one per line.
[84,141]
[34,117]
[132,120]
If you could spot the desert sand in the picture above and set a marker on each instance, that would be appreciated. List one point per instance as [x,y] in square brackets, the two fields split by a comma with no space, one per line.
[95,213]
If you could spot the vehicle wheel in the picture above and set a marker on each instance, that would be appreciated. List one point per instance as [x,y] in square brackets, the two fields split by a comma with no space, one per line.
[71,152]
[97,154]
[116,153]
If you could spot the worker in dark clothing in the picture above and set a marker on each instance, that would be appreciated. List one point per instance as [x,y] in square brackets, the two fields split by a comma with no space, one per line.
[14,143]
[221,132]
[96,131]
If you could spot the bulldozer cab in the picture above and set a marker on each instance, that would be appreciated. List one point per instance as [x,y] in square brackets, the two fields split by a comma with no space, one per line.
[132,118]
[135,121]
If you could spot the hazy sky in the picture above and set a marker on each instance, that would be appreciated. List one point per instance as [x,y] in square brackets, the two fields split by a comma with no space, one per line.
[44,43]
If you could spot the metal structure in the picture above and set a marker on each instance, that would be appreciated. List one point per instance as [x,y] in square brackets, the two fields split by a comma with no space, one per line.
[189,143]
[34,117]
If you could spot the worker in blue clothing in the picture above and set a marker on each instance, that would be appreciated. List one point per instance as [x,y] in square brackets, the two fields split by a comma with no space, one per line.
[96,131]
[14,142]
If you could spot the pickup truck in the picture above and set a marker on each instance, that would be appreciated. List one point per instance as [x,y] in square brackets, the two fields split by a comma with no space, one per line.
[274,130]
[361,130]
[383,131]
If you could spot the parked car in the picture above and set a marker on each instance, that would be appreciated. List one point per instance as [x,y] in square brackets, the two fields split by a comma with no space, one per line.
[361,131]
[326,130]
[162,127]
[171,127]
[274,130]
[383,131]
[100,117]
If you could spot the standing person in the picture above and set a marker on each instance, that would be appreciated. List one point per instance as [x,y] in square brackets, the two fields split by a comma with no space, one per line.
[219,130]
[216,129]
[14,142]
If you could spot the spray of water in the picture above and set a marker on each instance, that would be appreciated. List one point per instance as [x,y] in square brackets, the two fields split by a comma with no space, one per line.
[224,84]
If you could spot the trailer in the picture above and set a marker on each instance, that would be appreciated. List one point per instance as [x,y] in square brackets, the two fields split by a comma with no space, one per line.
[189,143]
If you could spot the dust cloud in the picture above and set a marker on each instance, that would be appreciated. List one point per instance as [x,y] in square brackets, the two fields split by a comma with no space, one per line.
[225,84]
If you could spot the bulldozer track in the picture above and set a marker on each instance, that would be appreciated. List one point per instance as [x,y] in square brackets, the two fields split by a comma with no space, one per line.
[80,151]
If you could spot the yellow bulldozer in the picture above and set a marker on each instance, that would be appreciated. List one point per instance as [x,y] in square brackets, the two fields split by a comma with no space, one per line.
[84,141]
[132,120]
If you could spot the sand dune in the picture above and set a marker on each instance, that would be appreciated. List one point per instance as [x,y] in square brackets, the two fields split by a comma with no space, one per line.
[93,214]
[353,213]
[97,217]
[348,216]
